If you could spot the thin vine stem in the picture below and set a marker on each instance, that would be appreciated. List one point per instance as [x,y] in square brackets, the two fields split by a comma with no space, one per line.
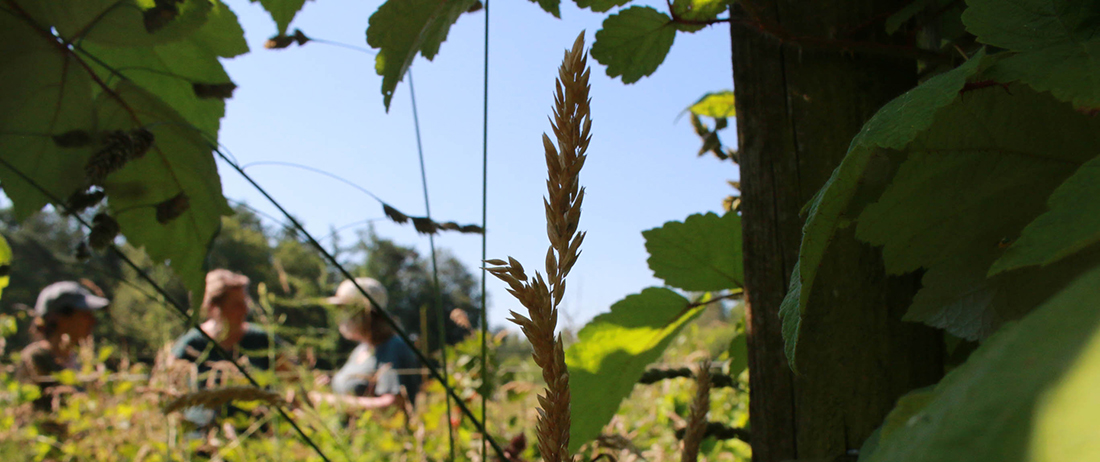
[168,297]
[400,331]
[440,323]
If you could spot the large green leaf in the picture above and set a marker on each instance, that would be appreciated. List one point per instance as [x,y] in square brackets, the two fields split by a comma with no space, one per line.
[701,254]
[600,6]
[1071,224]
[116,22]
[550,6]
[402,28]
[1056,43]
[1027,394]
[892,128]
[613,350]
[282,11]
[185,74]
[634,42]
[179,161]
[968,186]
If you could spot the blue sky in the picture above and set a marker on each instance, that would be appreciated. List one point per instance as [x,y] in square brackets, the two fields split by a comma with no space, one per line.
[321,105]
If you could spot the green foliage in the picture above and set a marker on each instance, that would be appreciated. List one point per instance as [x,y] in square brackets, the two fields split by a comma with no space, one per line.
[702,254]
[718,104]
[892,128]
[1055,44]
[1027,394]
[401,29]
[614,349]
[550,6]
[601,6]
[5,264]
[131,66]
[634,42]
[282,11]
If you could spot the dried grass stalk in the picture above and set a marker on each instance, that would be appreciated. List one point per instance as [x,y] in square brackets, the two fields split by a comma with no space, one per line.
[571,125]
[697,420]
[216,397]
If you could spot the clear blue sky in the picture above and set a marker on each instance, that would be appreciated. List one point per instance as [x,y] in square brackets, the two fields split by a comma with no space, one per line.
[321,105]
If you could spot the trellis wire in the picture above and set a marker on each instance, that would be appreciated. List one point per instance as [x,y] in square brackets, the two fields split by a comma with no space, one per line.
[435,272]
[484,229]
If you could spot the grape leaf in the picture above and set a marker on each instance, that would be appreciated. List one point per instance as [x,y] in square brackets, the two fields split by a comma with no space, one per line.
[892,128]
[718,104]
[613,350]
[1056,44]
[634,42]
[172,71]
[282,11]
[702,254]
[1071,223]
[180,160]
[46,93]
[601,6]
[970,184]
[117,22]
[1026,394]
[402,28]
[550,6]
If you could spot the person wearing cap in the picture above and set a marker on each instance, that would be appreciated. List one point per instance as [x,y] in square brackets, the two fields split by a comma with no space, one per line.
[225,305]
[382,370]
[64,316]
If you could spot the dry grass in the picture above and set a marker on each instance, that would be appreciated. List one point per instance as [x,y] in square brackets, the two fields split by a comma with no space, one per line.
[540,296]
[697,420]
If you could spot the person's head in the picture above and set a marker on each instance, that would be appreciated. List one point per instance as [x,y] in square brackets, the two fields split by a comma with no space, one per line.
[226,297]
[357,312]
[66,308]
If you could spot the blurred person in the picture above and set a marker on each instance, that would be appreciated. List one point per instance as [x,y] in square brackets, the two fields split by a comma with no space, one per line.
[382,370]
[64,316]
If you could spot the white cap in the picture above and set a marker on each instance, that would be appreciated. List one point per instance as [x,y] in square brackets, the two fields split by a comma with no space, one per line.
[348,294]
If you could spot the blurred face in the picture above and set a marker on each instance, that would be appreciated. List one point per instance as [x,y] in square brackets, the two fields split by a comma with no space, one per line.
[356,327]
[232,309]
[78,324]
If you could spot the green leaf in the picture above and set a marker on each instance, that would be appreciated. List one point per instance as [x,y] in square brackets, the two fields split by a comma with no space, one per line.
[718,104]
[1071,224]
[1056,44]
[402,28]
[1027,394]
[699,11]
[177,72]
[282,11]
[179,161]
[120,23]
[46,93]
[701,254]
[5,266]
[738,353]
[634,42]
[550,6]
[613,350]
[601,6]
[969,185]
[892,128]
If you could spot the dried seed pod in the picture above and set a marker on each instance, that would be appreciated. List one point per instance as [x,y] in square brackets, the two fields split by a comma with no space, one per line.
[162,13]
[81,200]
[424,226]
[471,229]
[141,140]
[119,147]
[172,208]
[72,139]
[214,90]
[394,214]
[104,231]
[449,226]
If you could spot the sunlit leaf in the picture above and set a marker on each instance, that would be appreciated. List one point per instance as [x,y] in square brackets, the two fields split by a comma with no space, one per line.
[634,42]
[402,28]
[718,105]
[701,254]
[613,350]
[5,268]
[1027,394]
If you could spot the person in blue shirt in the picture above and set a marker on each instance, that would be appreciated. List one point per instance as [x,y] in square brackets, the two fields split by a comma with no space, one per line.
[382,370]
